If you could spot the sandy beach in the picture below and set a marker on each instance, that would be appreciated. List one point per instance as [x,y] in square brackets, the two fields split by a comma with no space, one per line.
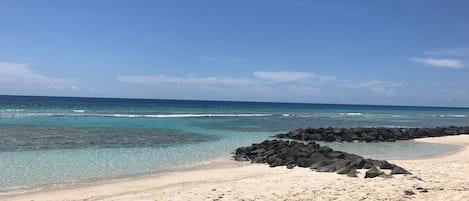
[437,178]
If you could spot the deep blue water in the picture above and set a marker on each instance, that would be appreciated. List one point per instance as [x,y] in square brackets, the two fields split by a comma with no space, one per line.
[47,140]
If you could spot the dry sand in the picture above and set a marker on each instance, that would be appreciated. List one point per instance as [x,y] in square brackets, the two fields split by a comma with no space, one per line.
[440,178]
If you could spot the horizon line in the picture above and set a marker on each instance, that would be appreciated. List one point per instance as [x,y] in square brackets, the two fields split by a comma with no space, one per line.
[240,101]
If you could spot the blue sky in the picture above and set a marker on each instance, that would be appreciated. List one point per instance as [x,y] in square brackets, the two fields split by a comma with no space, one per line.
[360,52]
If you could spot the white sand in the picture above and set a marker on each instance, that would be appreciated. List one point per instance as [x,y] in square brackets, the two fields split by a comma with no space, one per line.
[445,178]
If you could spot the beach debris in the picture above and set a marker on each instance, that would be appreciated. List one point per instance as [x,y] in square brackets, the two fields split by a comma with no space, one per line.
[418,189]
[422,190]
[409,192]
[416,178]
[312,155]
[291,166]
[370,134]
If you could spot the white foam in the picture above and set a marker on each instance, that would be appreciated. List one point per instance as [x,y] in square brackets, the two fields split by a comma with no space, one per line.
[351,113]
[185,115]
[452,115]
[305,115]
[78,111]
[81,113]
[11,110]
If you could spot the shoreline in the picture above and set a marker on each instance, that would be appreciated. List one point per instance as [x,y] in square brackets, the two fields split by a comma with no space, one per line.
[459,149]
[229,173]
[218,163]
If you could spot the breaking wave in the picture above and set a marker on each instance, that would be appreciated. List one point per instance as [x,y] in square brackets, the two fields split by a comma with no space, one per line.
[451,115]
[81,113]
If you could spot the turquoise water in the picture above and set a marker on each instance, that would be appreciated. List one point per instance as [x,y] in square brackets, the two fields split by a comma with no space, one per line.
[46,140]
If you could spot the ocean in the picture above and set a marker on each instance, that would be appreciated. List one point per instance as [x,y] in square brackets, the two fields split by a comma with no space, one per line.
[62,140]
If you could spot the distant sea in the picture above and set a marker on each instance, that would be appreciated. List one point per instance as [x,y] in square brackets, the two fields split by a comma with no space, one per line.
[56,140]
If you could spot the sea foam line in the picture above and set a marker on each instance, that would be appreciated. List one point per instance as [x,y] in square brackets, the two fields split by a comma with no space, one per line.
[351,113]
[452,115]
[83,114]
[185,115]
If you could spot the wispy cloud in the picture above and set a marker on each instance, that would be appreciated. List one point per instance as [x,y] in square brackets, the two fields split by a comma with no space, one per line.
[454,52]
[260,78]
[274,85]
[284,76]
[289,76]
[14,76]
[377,87]
[454,58]
[441,63]
[211,81]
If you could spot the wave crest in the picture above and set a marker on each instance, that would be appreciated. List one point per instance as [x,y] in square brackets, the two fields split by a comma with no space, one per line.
[82,113]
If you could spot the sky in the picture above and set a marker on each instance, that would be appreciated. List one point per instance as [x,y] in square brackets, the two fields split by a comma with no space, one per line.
[345,52]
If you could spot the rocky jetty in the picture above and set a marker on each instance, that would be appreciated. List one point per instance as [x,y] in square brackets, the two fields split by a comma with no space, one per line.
[313,156]
[370,134]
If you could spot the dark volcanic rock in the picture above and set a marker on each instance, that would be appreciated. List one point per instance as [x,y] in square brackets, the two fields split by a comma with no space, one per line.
[339,164]
[241,157]
[352,173]
[325,149]
[386,165]
[380,163]
[317,156]
[352,157]
[327,168]
[368,165]
[373,172]
[347,169]
[370,134]
[277,162]
[312,155]
[359,163]
[399,170]
[335,154]
[304,162]
[320,164]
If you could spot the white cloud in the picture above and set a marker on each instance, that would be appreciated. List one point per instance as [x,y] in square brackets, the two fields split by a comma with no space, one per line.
[375,86]
[284,76]
[442,63]
[14,76]
[13,71]
[456,52]
[261,78]
[187,81]
[289,76]
[300,84]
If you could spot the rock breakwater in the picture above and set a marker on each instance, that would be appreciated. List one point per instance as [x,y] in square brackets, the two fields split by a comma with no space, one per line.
[313,156]
[370,134]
